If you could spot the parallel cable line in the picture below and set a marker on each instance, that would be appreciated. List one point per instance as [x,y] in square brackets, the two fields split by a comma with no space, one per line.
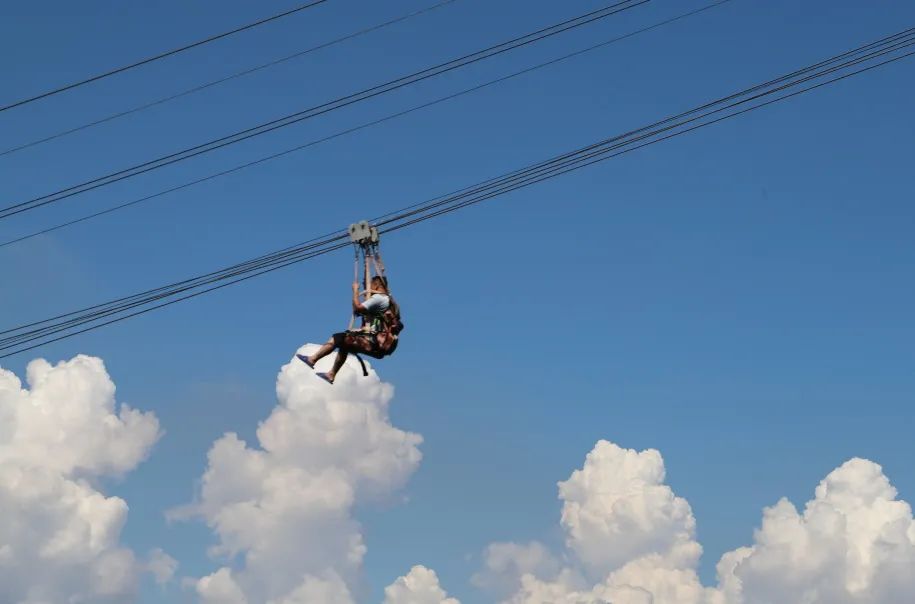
[600,149]
[522,173]
[223,80]
[327,107]
[163,55]
[844,66]
[363,126]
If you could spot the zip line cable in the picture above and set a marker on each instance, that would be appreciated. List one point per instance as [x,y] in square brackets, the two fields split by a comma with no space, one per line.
[505,179]
[324,108]
[846,65]
[890,44]
[363,126]
[227,78]
[327,107]
[163,55]
[596,157]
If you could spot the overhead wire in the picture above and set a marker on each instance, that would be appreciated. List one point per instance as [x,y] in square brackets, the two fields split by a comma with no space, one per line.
[840,67]
[363,126]
[502,179]
[230,77]
[323,108]
[889,45]
[160,56]
[520,173]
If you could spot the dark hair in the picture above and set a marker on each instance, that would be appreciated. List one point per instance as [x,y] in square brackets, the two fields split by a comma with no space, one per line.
[383,280]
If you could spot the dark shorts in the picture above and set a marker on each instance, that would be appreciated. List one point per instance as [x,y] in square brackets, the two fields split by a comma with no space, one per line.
[357,342]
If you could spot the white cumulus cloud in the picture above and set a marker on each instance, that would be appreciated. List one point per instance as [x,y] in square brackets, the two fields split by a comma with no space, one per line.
[220,588]
[632,539]
[619,497]
[161,566]
[282,511]
[854,543]
[419,586]
[506,563]
[327,589]
[633,542]
[60,535]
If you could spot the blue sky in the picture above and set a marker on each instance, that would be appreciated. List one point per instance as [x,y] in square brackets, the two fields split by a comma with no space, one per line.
[739,299]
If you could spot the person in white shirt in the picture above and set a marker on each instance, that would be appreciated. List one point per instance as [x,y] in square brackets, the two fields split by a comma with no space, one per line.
[357,342]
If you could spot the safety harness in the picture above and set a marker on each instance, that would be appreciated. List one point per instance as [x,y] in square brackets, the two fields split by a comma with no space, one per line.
[383,330]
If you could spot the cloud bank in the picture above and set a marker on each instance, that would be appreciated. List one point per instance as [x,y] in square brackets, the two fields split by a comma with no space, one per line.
[59,535]
[282,511]
[854,542]
[282,514]
[631,540]
[419,586]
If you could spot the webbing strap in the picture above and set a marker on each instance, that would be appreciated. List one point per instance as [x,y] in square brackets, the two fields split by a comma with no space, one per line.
[378,260]
[378,269]
[368,274]
[365,372]
[371,257]
[352,317]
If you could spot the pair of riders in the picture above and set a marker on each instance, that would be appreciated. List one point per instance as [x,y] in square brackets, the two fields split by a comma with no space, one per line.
[378,337]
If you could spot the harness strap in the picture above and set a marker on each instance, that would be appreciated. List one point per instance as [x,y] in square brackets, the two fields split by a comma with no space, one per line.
[371,258]
[379,263]
[352,317]
[367,273]
[375,261]
[365,372]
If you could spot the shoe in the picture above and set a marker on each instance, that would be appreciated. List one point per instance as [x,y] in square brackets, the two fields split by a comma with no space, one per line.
[304,359]
[325,377]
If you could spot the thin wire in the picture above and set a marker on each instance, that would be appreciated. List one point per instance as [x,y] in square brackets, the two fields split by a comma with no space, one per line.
[310,244]
[225,79]
[549,169]
[890,39]
[163,55]
[169,303]
[363,126]
[320,109]
[548,163]
[601,158]
[503,181]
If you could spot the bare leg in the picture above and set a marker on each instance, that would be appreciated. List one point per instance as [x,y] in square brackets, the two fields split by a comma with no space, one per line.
[338,364]
[326,349]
